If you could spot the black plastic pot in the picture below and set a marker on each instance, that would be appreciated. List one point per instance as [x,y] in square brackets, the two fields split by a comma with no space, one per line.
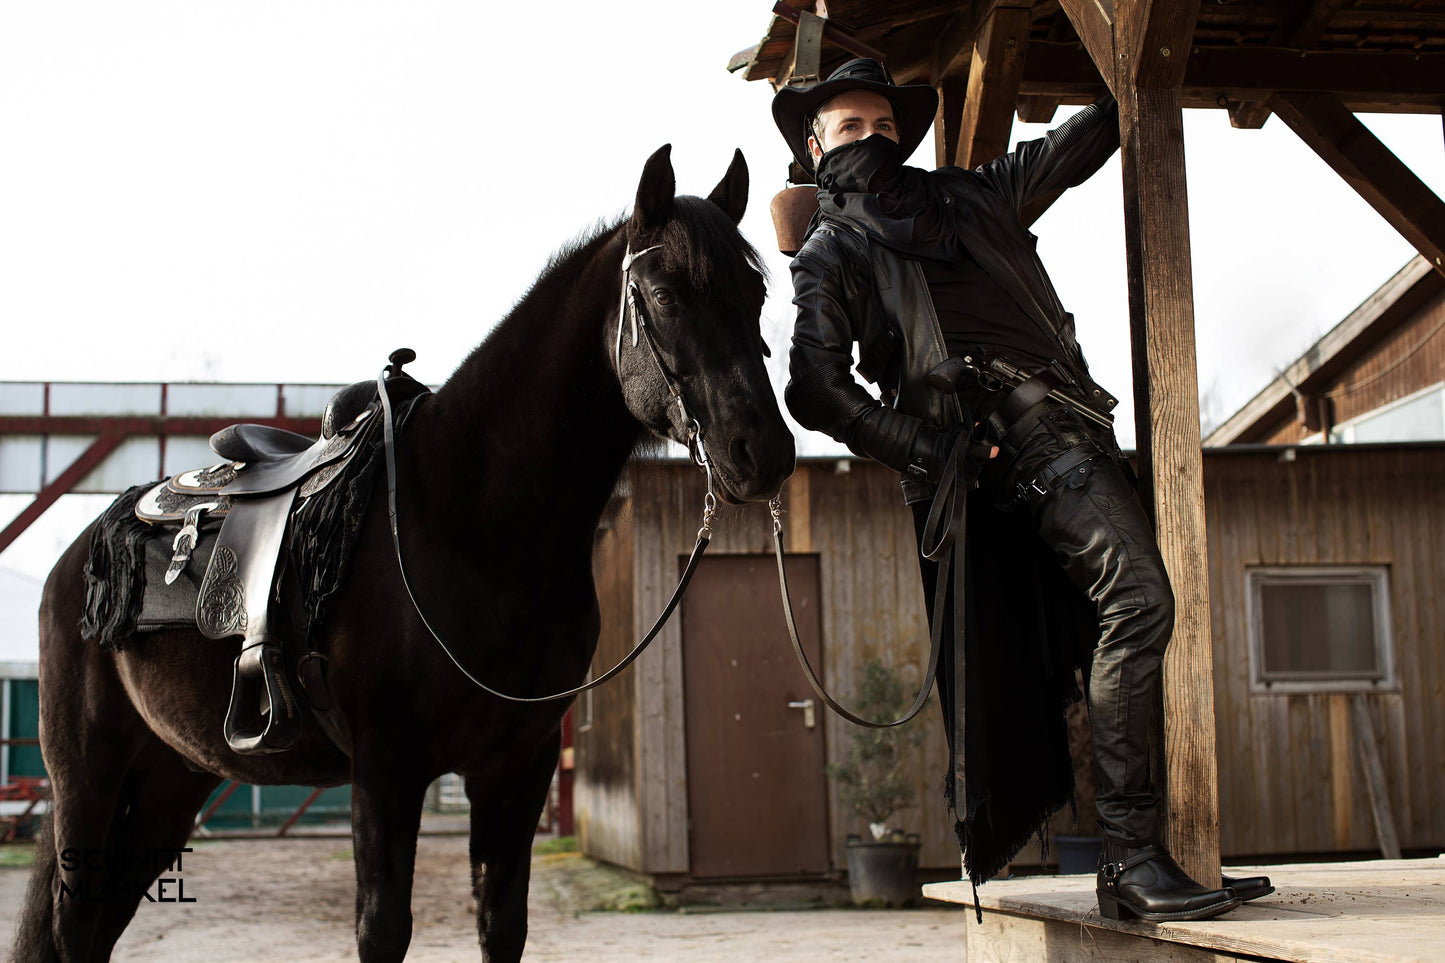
[1078,854]
[883,873]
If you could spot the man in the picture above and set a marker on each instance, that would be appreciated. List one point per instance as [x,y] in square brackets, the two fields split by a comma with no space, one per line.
[918,267]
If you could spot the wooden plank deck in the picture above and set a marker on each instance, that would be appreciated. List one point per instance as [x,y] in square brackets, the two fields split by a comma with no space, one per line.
[1381,911]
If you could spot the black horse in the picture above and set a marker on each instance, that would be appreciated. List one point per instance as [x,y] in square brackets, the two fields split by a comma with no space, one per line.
[503,476]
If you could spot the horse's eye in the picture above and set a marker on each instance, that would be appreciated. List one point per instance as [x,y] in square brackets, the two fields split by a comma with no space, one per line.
[663,296]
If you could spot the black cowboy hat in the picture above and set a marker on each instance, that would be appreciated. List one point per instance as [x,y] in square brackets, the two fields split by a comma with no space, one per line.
[914,105]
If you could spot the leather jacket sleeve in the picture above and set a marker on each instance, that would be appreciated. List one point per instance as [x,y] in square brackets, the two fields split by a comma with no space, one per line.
[822,393]
[1065,157]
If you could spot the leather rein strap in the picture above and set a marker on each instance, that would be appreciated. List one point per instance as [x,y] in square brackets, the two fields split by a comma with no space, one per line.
[695,447]
[949,499]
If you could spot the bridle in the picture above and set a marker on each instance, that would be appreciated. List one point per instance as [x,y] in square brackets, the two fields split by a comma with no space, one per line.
[629,311]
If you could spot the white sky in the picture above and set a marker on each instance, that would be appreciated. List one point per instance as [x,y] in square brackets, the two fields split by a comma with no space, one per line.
[268,191]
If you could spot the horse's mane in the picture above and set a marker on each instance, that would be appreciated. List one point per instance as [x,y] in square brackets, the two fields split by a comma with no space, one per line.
[699,242]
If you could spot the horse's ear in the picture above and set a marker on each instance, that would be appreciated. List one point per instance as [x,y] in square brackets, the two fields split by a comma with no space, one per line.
[731,193]
[655,191]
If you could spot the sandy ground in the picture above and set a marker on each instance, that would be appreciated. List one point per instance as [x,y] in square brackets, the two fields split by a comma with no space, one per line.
[293,900]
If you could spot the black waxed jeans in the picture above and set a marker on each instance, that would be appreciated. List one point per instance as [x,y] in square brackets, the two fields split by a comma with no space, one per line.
[1093,522]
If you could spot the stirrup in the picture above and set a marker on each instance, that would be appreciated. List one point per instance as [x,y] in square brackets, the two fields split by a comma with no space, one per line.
[250,728]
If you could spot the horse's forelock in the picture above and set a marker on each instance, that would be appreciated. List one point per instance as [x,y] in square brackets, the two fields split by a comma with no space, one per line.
[701,243]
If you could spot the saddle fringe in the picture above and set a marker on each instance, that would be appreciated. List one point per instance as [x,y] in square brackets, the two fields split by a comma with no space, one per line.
[115,571]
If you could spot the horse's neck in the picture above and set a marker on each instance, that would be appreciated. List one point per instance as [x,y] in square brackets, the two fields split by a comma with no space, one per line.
[534,420]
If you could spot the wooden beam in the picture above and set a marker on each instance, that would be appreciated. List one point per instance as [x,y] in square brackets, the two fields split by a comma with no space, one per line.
[953,50]
[1158,35]
[952,54]
[1033,109]
[1218,76]
[1249,115]
[1355,72]
[1166,400]
[1301,26]
[993,86]
[1368,166]
[1093,21]
[948,123]
[1374,772]
[1304,24]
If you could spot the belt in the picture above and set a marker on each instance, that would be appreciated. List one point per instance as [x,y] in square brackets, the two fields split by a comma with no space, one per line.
[1054,471]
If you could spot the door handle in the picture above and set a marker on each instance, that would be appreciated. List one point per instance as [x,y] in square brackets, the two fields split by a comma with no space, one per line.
[809,717]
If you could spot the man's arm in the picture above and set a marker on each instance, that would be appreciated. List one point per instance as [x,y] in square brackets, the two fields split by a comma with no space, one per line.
[822,393]
[1065,157]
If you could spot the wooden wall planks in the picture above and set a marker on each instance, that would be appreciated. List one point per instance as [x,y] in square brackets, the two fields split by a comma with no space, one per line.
[1289,778]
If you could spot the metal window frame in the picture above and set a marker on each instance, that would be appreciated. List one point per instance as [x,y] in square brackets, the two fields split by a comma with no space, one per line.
[1377,577]
[4,730]
[1345,430]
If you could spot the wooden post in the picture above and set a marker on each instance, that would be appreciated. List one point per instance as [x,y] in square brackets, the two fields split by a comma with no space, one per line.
[1141,49]
[948,123]
[996,69]
[1166,398]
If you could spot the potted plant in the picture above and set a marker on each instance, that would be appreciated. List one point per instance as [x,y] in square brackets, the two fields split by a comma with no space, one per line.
[1079,847]
[873,783]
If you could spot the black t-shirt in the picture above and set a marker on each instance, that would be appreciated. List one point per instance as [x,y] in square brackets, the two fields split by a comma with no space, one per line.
[974,310]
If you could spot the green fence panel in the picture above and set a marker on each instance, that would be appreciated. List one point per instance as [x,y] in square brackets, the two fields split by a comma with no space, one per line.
[25,724]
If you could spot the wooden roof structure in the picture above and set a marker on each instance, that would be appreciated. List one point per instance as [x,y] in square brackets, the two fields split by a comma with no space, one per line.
[1311,62]
[1376,347]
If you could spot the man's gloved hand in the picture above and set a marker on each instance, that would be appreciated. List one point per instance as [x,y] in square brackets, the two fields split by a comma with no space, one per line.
[907,445]
[932,449]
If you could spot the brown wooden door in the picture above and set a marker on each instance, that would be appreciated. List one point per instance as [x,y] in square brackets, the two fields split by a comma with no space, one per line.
[757,793]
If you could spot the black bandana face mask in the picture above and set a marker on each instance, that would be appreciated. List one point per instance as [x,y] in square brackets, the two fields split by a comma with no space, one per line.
[851,167]
[865,181]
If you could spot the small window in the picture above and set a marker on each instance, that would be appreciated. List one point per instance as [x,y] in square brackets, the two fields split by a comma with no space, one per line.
[1319,628]
[1416,417]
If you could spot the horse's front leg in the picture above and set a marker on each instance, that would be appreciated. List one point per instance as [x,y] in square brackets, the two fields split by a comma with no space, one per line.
[504,814]
[385,818]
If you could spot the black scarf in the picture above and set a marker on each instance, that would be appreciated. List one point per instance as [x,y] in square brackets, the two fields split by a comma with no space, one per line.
[901,207]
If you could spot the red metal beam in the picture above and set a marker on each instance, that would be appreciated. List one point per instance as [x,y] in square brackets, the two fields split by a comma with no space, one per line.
[226,793]
[300,810]
[142,424]
[89,459]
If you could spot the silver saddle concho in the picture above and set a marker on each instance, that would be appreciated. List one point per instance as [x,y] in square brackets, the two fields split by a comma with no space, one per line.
[251,494]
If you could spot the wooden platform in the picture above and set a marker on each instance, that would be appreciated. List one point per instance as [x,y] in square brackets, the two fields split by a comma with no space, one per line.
[1381,911]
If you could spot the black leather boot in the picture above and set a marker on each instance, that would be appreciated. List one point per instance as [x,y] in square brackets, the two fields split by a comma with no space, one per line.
[1147,883]
[1249,887]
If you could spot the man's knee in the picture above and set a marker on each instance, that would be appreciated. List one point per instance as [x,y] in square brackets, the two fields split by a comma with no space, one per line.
[1155,622]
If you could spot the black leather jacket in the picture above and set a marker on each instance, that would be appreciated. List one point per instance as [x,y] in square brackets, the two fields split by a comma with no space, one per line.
[849,289]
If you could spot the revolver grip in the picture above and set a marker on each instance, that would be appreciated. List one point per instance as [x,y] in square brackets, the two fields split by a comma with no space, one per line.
[945,377]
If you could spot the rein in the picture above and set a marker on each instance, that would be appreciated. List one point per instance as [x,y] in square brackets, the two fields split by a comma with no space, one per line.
[628,306]
[942,534]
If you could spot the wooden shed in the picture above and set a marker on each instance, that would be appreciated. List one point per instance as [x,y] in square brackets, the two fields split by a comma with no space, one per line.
[692,767]
[1378,375]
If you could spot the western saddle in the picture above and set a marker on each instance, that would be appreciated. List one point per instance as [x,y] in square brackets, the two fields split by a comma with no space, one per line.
[266,474]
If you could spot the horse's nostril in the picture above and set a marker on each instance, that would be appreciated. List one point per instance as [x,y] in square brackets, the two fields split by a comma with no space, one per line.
[742,456]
